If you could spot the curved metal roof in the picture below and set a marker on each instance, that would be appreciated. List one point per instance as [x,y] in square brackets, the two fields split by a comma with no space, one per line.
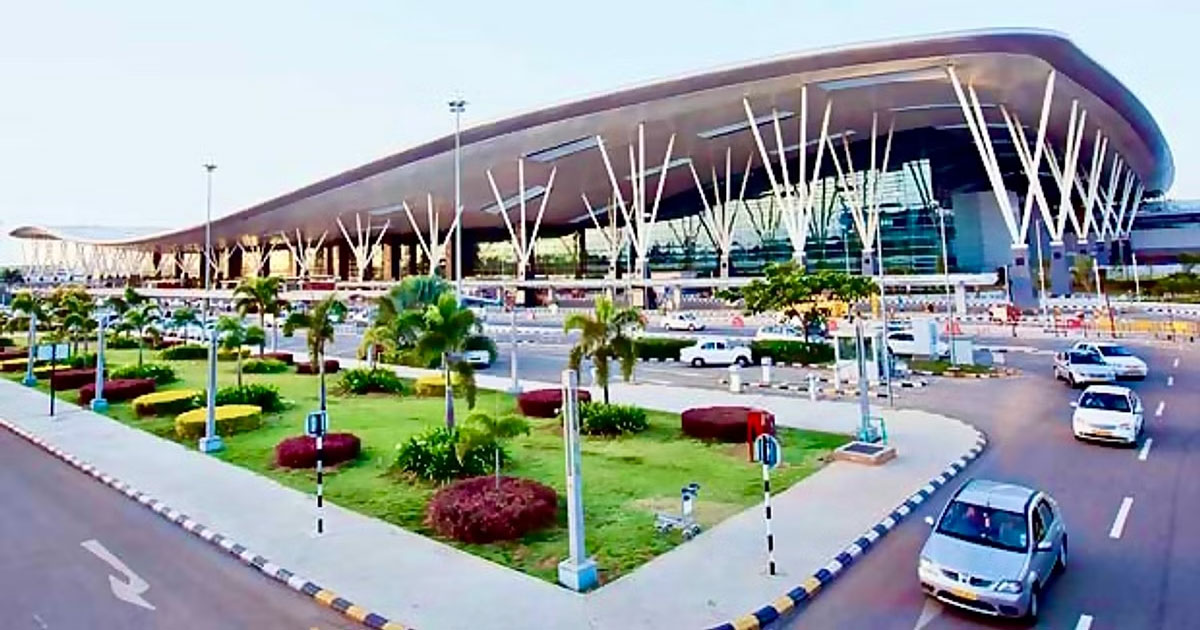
[1007,66]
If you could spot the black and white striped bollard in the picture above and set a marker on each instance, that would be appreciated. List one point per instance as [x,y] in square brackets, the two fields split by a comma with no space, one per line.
[766,477]
[320,482]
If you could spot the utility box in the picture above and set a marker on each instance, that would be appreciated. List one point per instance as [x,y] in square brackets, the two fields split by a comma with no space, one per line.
[925,336]
[962,350]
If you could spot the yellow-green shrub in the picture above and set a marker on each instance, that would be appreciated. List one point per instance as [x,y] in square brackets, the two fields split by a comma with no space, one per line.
[228,419]
[225,354]
[435,385]
[162,403]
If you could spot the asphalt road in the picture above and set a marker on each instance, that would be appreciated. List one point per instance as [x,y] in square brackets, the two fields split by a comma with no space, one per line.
[1144,579]
[51,579]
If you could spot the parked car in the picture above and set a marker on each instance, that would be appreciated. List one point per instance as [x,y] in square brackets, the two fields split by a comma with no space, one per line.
[779,332]
[1127,365]
[682,321]
[715,352]
[1080,368]
[904,343]
[1108,412]
[994,549]
[478,358]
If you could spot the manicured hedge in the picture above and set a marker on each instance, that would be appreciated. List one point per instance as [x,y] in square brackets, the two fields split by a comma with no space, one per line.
[6,342]
[283,357]
[189,352]
[73,379]
[82,360]
[263,366]
[264,396]
[162,343]
[9,355]
[16,365]
[723,424]
[665,348]
[160,372]
[792,351]
[228,419]
[431,385]
[475,511]
[172,402]
[230,355]
[121,343]
[546,403]
[301,451]
[433,456]
[364,381]
[331,367]
[118,389]
[601,419]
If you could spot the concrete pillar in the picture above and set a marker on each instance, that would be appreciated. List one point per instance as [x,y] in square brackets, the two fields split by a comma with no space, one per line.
[1020,284]
[581,254]
[868,263]
[156,260]
[412,259]
[394,253]
[1060,270]
[235,263]
[343,262]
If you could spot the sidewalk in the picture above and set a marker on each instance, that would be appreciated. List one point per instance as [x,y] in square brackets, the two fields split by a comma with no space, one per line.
[416,581]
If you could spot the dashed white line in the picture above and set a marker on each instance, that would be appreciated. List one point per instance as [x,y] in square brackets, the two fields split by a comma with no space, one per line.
[1170,381]
[1118,525]
[1085,622]
[1162,404]
[1175,363]
[1145,452]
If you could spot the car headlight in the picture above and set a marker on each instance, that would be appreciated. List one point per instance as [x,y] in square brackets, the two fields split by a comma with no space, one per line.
[1125,426]
[925,564]
[1009,586]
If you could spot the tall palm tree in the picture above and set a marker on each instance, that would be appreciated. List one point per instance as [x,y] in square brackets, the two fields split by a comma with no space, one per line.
[414,293]
[183,317]
[261,295]
[604,337]
[319,326]
[234,333]
[142,318]
[375,340]
[444,328]
[34,309]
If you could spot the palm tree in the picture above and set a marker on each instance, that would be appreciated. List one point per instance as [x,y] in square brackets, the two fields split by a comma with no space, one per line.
[234,333]
[183,317]
[318,324]
[445,326]
[142,319]
[604,337]
[415,293]
[484,431]
[33,307]
[261,295]
[375,340]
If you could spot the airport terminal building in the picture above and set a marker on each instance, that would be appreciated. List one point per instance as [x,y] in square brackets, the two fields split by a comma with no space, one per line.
[977,152]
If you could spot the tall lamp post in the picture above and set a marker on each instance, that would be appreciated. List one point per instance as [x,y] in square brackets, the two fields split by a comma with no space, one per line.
[946,274]
[211,442]
[99,404]
[457,107]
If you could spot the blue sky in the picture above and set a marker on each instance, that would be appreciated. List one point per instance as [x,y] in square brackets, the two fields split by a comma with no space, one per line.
[108,108]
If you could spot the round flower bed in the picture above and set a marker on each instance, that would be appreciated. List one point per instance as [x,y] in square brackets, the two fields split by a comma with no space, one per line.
[723,424]
[331,367]
[301,451]
[174,401]
[118,389]
[228,419]
[546,403]
[475,511]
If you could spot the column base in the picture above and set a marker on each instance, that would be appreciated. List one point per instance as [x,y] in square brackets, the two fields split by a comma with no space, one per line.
[210,444]
[99,405]
[29,381]
[515,389]
[578,577]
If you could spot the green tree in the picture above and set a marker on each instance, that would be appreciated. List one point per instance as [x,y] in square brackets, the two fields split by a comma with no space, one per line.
[414,293]
[444,328]
[234,333]
[375,340]
[787,289]
[1188,261]
[604,337]
[142,319]
[185,316]
[31,306]
[70,311]
[319,329]
[484,431]
[261,295]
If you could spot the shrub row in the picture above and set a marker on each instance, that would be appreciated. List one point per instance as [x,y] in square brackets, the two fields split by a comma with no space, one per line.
[434,385]
[546,403]
[73,378]
[602,419]
[331,367]
[160,372]
[283,357]
[364,381]
[476,511]
[82,360]
[117,389]
[660,347]
[10,355]
[228,354]
[433,456]
[264,366]
[6,342]
[184,352]
[266,397]
[229,419]
[121,343]
[723,424]
[15,365]
[792,351]
[171,402]
[301,451]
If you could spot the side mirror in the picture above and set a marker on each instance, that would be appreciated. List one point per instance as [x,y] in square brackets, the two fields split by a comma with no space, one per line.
[929,521]
[1044,546]
[1074,403]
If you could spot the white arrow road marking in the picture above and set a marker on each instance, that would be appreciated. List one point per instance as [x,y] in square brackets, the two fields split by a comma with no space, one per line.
[1085,622]
[1162,404]
[129,591]
[1122,514]
[931,611]
[1145,449]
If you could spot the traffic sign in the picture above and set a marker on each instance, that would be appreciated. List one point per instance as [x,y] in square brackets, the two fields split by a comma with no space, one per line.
[316,423]
[767,450]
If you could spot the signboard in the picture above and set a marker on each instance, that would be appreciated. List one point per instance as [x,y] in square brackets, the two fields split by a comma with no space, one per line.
[767,451]
[59,351]
[758,422]
[316,423]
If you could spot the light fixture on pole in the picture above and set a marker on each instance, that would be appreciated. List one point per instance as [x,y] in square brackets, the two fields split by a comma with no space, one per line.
[457,107]
[211,442]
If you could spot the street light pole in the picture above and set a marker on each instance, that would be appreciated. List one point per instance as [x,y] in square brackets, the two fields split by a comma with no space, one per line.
[946,276]
[457,107]
[211,442]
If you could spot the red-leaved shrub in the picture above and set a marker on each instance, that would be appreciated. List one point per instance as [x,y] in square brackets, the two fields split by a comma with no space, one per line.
[301,451]
[545,403]
[282,357]
[724,424]
[331,367]
[73,379]
[118,389]
[6,355]
[475,511]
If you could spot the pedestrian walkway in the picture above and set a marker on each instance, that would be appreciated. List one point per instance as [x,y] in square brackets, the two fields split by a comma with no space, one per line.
[419,582]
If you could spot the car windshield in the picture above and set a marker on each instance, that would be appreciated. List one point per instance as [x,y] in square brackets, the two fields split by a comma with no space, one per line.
[1105,401]
[1085,358]
[1115,351]
[985,526]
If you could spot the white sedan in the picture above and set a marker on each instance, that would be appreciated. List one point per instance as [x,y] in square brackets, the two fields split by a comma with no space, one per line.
[682,321]
[1108,412]
[715,352]
[1081,368]
[1123,361]
[779,332]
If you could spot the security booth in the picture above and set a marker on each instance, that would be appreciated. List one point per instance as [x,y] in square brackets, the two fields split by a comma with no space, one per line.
[846,351]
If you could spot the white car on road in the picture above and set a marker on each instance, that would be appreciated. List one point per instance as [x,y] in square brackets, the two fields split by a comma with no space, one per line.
[779,332]
[682,321]
[904,343]
[1080,368]
[477,358]
[1126,364]
[1108,412]
[715,352]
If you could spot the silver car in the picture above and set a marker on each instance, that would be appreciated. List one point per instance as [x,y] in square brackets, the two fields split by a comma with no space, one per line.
[993,549]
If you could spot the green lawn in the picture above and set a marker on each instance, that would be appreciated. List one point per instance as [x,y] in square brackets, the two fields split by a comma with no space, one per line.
[625,479]
[941,366]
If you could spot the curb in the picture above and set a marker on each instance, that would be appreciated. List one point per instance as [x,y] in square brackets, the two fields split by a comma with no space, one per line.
[293,581]
[795,599]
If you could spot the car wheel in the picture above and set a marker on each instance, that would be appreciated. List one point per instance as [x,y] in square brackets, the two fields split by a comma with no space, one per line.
[1060,565]
[1071,381]
[742,361]
[697,362]
[691,328]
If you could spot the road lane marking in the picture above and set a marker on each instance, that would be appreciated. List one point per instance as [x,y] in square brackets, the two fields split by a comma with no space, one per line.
[1162,404]
[1175,363]
[1085,622]
[1170,381]
[129,591]
[1145,449]
[932,610]
[1119,524]
[41,624]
